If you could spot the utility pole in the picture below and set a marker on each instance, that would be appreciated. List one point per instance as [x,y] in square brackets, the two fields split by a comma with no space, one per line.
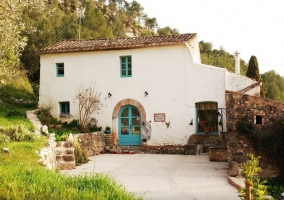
[80,14]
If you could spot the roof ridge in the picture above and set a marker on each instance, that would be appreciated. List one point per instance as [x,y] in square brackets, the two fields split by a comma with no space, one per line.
[100,44]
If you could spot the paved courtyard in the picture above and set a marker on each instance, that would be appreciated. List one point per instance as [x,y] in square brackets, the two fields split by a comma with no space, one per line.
[165,177]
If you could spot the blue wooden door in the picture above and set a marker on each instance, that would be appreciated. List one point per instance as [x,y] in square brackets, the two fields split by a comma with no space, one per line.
[129,124]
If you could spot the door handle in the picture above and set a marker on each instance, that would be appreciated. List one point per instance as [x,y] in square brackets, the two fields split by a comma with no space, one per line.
[130,126]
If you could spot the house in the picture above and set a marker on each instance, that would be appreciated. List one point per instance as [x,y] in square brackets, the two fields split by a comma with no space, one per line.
[154,87]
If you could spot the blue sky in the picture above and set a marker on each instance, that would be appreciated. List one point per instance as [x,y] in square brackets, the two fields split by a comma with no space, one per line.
[251,27]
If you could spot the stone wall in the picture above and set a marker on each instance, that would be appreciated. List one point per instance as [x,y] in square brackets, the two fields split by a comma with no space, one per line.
[218,154]
[47,154]
[92,143]
[261,112]
[65,158]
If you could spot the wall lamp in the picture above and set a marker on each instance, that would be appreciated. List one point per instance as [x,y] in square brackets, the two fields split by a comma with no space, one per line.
[109,95]
[146,93]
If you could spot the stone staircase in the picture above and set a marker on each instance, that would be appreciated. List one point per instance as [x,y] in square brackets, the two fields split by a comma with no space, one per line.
[243,91]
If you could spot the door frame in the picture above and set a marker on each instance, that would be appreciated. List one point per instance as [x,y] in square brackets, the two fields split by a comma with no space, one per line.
[133,139]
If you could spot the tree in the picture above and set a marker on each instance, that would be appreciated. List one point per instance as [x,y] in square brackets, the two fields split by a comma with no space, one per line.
[167,31]
[89,102]
[12,39]
[253,72]
[273,85]
[219,57]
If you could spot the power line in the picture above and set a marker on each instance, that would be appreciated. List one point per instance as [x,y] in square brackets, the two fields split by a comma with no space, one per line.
[61,32]
[272,65]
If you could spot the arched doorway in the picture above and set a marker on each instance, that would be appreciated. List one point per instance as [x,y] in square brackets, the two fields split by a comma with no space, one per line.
[129,126]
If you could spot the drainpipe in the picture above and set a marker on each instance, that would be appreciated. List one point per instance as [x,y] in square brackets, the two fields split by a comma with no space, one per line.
[237,63]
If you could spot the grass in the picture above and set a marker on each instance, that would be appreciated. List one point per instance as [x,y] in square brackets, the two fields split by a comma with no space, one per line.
[21,177]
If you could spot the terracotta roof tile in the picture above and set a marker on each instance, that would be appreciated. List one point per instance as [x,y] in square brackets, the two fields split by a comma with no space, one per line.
[116,43]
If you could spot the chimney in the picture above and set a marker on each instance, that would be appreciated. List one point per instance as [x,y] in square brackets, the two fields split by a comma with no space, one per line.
[237,63]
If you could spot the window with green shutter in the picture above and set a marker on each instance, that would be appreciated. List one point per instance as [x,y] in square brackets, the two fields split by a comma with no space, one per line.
[125,66]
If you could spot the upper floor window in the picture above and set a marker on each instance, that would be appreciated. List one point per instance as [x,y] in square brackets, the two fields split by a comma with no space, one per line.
[60,69]
[207,117]
[125,66]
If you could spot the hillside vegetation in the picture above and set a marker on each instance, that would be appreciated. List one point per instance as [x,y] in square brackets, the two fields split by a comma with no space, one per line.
[42,23]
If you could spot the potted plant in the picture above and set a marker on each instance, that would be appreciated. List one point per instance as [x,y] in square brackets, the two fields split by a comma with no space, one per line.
[205,125]
[144,141]
[108,130]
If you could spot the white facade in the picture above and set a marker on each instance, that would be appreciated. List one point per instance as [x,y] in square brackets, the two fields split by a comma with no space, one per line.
[172,75]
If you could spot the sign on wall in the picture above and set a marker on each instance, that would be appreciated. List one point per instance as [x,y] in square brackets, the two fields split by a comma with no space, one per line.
[159,117]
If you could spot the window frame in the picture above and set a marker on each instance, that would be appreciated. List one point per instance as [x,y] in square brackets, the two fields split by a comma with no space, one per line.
[127,68]
[59,66]
[215,119]
[66,105]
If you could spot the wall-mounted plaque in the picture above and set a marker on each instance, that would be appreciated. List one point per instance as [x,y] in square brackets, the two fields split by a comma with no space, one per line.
[159,117]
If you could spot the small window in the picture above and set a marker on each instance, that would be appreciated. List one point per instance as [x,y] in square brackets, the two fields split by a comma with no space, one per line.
[207,117]
[64,108]
[60,69]
[125,66]
[258,119]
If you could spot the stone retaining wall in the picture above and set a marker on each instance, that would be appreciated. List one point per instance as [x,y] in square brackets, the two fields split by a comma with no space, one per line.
[237,106]
[92,143]
[65,158]
[218,154]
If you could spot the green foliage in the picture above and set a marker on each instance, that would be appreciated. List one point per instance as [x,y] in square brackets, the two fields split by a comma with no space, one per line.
[61,136]
[80,156]
[219,58]
[267,141]
[273,85]
[15,113]
[276,187]
[21,178]
[253,70]
[4,139]
[270,142]
[20,89]
[19,134]
[94,128]
[167,31]
[244,126]
[12,37]
[46,118]
[255,188]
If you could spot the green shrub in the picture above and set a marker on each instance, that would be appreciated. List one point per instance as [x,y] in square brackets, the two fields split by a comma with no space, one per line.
[19,134]
[80,156]
[254,187]
[244,126]
[74,124]
[4,139]
[15,113]
[276,187]
[62,137]
[45,117]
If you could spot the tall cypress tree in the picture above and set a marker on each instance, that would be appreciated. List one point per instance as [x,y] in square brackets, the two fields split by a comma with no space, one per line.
[253,72]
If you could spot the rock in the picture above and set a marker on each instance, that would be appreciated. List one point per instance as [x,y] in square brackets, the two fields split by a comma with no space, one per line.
[70,138]
[5,150]
[44,129]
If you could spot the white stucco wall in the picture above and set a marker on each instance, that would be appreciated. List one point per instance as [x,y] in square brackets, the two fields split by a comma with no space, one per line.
[174,83]
[238,82]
